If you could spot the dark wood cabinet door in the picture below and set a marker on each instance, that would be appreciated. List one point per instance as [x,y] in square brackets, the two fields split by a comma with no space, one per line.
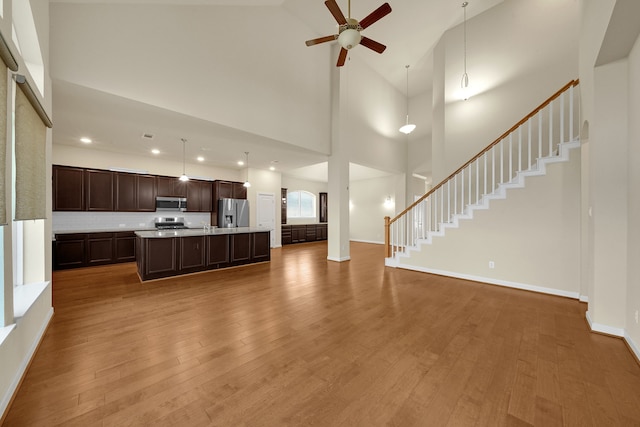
[99,248]
[192,253]
[321,232]
[125,192]
[125,246]
[160,258]
[285,234]
[322,206]
[146,193]
[180,188]
[193,196]
[206,196]
[69,251]
[240,248]
[68,188]
[261,246]
[310,234]
[164,185]
[239,190]
[222,190]
[217,251]
[99,190]
[283,206]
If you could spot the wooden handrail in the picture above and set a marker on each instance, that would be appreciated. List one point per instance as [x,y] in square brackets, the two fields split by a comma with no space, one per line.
[487,148]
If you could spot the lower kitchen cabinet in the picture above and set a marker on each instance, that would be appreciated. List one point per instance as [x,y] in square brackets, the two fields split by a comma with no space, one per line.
[192,253]
[160,257]
[218,251]
[75,250]
[300,233]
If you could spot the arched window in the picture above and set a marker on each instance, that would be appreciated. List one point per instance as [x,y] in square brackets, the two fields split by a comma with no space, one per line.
[301,204]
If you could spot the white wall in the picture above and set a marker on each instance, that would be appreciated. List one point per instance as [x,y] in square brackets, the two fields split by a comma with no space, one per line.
[367,206]
[532,236]
[297,184]
[86,157]
[265,182]
[632,326]
[148,56]
[19,341]
[508,83]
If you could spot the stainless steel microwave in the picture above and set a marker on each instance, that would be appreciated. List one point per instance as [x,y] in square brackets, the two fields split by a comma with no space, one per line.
[173,204]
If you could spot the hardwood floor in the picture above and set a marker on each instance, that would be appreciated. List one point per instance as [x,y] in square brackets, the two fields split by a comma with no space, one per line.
[304,341]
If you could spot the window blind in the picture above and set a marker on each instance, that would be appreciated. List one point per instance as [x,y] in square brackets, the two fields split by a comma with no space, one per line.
[30,135]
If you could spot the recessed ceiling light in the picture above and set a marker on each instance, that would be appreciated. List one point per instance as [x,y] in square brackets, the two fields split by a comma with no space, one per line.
[86,140]
[155,151]
[200,158]
[240,163]
[272,168]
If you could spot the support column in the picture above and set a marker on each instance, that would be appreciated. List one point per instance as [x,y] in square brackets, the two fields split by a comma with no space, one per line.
[338,186]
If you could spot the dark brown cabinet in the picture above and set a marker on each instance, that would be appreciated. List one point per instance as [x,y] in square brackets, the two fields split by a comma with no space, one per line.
[76,250]
[199,196]
[135,193]
[125,246]
[169,256]
[218,251]
[261,246]
[303,233]
[68,188]
[192,253]
[160,257]
[322,207]
[283,206]
[146,193]
[69,251]
[99,190]
[165,186]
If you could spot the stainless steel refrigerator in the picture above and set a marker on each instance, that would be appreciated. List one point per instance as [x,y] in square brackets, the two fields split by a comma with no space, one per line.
[233,213]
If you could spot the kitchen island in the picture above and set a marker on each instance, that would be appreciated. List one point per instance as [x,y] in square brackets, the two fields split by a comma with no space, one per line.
[165,253]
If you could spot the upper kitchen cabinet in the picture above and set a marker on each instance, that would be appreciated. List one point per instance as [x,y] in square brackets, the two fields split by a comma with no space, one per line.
[228,190]
[135,193]
[68,188]
[98,190]
[199,196]
[171,187]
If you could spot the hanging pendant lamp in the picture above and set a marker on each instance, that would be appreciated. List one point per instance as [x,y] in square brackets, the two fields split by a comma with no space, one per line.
[247,184]
[184,176]
[464,82]
[408,127]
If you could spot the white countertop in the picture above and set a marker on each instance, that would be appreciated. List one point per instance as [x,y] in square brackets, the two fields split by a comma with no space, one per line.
[198,232]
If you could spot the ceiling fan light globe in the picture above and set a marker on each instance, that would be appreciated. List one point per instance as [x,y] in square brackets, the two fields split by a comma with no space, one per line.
[349,38]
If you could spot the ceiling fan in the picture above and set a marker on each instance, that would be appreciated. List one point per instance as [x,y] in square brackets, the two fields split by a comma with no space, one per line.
[349,30]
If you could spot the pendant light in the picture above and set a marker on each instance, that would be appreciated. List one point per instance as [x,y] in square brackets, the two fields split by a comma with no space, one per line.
[184,176]
[407,128]
[247,184]
[464,82]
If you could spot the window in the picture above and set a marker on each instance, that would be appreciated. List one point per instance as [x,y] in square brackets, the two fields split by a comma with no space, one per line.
[301,204]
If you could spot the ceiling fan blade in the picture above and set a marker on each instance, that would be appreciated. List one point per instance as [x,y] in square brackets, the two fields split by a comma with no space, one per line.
[376,15]
[321,40]
[372,44]
[335,11]
[342,57]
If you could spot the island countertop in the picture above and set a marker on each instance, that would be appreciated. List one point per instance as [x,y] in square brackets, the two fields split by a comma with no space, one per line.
[153,234]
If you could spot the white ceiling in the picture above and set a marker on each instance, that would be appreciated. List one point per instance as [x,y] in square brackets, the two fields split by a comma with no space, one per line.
[410,33]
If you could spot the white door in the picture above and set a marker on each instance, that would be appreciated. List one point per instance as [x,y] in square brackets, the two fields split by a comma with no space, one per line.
[266,214]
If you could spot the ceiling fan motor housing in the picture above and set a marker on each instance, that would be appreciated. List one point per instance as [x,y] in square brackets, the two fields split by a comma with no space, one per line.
[349,33]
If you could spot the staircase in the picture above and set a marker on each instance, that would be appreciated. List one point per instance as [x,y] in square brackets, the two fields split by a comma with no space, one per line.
[543,137]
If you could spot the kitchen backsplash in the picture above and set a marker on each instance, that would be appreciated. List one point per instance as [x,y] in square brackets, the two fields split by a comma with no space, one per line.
[90,221]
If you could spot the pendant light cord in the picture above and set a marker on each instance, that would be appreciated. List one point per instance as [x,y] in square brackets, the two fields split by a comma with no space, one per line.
[465,77]
[407,67]
[184,141]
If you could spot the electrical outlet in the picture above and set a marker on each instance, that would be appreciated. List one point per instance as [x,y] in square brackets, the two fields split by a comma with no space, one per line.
[492,264]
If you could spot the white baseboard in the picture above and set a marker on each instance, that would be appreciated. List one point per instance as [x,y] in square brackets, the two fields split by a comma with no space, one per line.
[22,369]
[346,258]
[583,298]
[604,329]
[375,242]
[491,281]
[632,345]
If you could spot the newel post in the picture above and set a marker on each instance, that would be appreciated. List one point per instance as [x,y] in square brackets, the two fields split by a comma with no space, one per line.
[387,243]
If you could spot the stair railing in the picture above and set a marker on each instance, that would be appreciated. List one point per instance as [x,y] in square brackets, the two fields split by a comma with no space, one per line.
[536,136]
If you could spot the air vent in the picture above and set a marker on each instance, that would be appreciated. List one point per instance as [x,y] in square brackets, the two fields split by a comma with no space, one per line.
[147,136]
